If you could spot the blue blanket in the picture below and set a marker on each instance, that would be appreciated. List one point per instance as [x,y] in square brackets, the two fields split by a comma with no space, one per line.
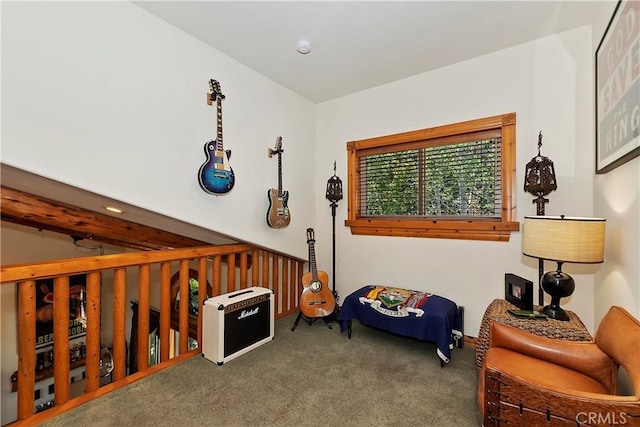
[416,314]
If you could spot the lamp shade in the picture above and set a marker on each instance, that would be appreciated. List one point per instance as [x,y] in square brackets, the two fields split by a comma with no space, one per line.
[564,239]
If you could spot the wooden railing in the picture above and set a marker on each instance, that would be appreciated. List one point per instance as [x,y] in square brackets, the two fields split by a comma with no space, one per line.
[230,267]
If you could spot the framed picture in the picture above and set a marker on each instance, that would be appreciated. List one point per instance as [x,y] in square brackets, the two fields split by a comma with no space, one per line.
[618,89]
[518,291]
[44,309]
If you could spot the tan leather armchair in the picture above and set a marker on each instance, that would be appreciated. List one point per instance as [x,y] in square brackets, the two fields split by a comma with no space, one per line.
[527,380]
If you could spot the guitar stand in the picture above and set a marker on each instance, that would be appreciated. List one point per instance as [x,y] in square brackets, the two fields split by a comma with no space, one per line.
[309,320]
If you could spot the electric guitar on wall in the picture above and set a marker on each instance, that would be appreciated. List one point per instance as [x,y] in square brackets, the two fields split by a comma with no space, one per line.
[278,215]
[316,299]
[216,175]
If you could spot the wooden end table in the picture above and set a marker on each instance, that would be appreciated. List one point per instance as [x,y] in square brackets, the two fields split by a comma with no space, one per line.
[572,330]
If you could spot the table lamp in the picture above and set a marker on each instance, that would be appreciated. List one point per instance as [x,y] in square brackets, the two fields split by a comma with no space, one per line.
[562,239]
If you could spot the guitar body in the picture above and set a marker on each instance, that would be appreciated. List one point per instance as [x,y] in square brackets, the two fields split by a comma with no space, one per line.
[319,302]
[216,175]
[316,299]
[278,215]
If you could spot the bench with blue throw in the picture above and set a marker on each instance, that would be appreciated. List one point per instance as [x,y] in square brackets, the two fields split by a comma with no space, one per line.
[416,314]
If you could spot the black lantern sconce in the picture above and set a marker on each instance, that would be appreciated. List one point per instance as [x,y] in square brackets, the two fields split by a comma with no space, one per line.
[334,188]
[540,178]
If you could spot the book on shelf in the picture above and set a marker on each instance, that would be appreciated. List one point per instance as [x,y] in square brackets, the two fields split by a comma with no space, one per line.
[154,344]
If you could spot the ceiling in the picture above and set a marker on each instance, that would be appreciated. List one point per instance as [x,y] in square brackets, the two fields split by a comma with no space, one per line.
[357,45]
[354,46]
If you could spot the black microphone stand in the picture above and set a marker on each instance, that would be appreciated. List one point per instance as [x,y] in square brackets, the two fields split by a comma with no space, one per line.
[334,205]
[540,180]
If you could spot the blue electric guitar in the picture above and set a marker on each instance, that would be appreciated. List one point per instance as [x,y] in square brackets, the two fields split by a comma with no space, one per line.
[216,175]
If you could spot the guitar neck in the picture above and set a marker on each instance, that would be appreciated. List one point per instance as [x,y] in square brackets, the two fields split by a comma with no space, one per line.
[312,262]
[280,174]
[219,136]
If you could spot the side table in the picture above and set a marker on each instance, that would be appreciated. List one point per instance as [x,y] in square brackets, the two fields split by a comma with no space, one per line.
[572,330]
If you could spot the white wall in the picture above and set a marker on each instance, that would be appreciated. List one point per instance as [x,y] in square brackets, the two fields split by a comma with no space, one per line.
[109,98]
[548,84]
[617,198]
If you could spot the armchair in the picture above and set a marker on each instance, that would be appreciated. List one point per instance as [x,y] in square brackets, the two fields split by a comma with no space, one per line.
[537,381]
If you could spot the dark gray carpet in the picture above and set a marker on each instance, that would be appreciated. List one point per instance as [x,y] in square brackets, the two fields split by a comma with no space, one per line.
[312,376]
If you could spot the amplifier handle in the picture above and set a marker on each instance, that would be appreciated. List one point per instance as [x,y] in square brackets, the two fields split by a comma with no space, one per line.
[248,291]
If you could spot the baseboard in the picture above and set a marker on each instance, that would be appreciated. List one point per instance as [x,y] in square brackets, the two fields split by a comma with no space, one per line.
[470,341]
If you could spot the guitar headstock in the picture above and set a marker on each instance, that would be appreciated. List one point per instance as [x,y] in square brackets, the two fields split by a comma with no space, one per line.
[310,236]
[214,87]
[278,148]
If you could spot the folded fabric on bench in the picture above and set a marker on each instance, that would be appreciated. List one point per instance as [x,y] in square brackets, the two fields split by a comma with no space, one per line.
[410,313]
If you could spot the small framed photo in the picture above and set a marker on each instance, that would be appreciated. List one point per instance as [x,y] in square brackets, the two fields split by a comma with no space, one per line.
[518,291]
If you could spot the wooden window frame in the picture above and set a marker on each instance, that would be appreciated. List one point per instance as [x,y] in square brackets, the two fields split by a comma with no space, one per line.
[491,229]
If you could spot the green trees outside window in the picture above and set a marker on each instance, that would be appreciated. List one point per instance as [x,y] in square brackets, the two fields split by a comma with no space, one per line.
[453,181]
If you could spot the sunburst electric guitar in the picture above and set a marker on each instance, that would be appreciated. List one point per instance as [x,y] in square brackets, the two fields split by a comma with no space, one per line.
[316,299]
[216,175]
[278,215]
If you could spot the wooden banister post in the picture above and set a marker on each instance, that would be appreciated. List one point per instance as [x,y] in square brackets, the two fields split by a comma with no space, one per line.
[26,347]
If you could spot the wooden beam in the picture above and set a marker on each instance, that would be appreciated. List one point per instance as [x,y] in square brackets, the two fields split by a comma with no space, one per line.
[38,212]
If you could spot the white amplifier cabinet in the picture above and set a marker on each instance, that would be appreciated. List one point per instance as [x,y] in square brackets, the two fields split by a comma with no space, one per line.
[235,323]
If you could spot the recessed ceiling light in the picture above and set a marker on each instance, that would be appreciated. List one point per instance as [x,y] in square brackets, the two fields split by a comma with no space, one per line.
[303,47]
[114,209]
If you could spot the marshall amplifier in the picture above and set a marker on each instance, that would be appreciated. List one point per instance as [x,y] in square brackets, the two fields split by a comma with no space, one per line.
[235,323]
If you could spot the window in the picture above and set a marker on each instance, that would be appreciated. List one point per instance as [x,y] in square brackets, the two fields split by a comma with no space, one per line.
[453,181]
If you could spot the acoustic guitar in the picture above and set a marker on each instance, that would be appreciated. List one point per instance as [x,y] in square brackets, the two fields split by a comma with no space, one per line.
[216,175]
[316,299]
[278,215]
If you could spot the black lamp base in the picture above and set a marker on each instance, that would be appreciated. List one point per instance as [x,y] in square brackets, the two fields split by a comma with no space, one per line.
[558,285]
[556,313]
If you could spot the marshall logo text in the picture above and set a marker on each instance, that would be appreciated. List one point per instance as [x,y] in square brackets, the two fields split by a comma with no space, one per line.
[246,313]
